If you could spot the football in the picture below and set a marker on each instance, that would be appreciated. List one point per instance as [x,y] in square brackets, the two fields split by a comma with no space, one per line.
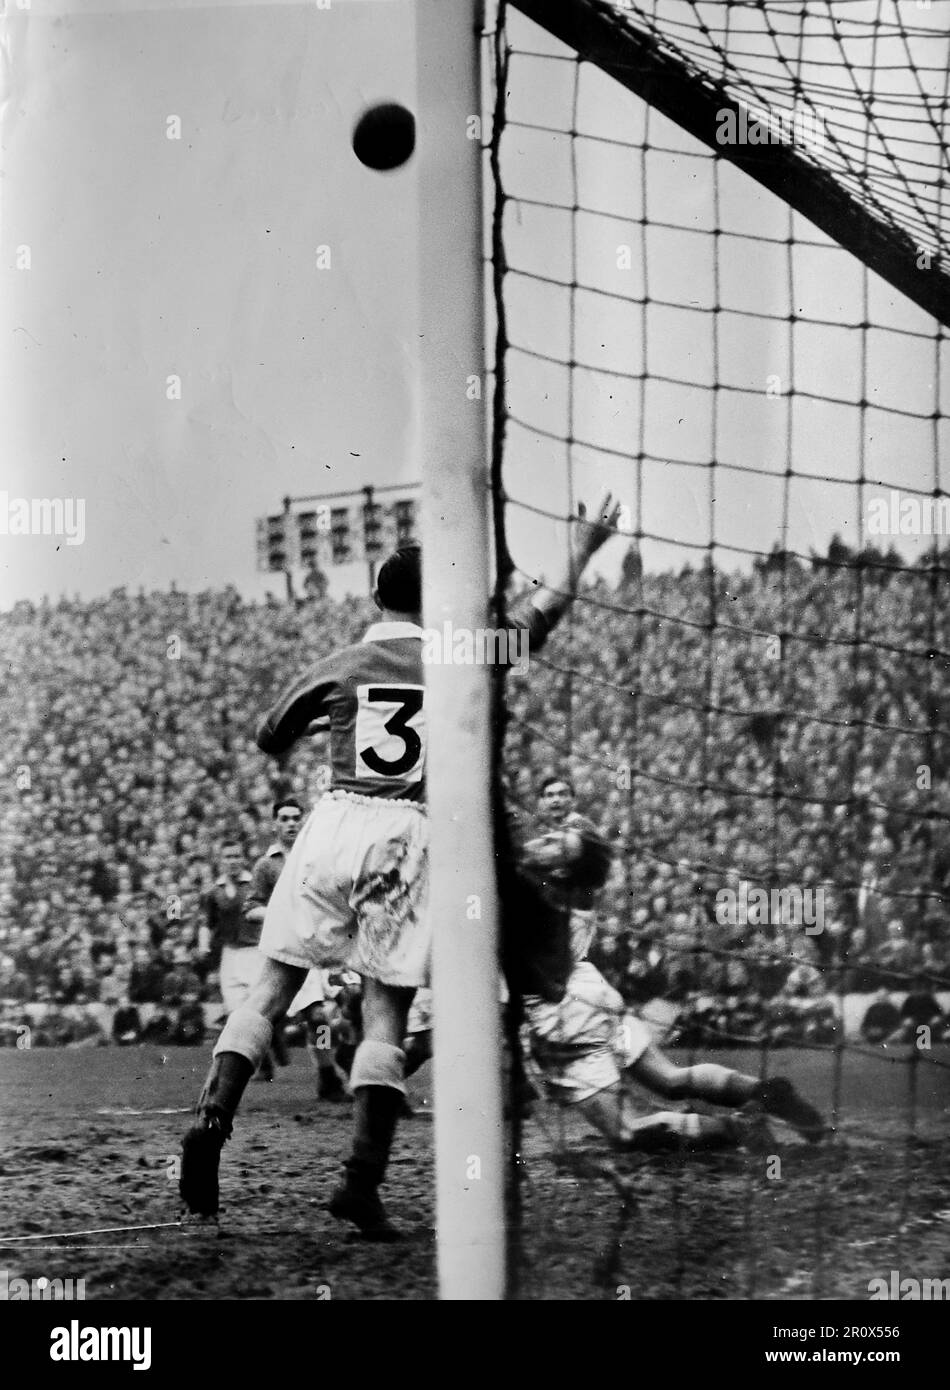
[385,136]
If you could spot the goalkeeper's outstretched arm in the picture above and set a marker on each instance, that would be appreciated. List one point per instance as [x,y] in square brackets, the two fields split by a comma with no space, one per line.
[587,538]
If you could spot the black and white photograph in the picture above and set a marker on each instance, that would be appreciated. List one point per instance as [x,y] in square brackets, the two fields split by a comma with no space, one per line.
[475,650]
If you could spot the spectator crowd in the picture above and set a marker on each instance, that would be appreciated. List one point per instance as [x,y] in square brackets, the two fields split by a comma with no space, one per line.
[781,726]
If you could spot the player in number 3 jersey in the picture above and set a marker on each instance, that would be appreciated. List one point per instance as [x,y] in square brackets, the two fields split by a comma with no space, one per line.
[351,893]
[353,890]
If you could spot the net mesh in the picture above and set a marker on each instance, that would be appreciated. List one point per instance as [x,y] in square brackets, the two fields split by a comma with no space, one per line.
[750,691]
[872,76]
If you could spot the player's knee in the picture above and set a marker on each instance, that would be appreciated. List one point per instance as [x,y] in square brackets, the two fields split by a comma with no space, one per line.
[378,1064]
[276,987]
[248,1033]
[385,1012]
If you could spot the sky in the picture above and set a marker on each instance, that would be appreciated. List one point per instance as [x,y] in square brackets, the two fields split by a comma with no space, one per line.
[197,257]
[175,354]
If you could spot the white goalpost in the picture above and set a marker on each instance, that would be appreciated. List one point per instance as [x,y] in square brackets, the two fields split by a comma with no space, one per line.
[469,1137]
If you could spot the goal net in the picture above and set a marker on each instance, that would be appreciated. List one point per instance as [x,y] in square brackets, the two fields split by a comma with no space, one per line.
[720,287]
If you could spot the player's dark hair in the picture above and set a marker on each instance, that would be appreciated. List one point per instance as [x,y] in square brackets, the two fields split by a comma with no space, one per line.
[399,583]
[550,781]
[287,801]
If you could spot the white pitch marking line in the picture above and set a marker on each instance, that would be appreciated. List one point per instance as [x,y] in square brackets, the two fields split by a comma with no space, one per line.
[93,1231]
[164,1110]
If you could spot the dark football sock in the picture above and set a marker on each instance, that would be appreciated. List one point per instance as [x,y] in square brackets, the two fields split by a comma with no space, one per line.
[225,1084]
[375,1114]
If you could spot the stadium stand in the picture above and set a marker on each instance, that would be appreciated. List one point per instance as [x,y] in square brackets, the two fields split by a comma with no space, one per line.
[132,759]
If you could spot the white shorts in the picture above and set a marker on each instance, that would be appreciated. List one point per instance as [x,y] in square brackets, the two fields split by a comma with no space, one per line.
[312,991]
[582,1044]
[239,972]
[353,891]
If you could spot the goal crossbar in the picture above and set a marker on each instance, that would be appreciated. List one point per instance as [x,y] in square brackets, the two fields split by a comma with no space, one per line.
[695,101]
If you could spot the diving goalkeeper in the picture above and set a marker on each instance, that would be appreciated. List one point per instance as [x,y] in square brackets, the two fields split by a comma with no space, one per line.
[588,1046]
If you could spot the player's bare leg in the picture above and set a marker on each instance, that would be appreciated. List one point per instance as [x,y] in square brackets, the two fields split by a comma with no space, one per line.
[610,1111]
[320,1052]
[377,1080]
[709,1081]
[238,1053]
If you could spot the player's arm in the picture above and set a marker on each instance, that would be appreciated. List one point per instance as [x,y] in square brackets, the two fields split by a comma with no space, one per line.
[552,603]
[577,853]
[555,849]
[303,703]
[258,893]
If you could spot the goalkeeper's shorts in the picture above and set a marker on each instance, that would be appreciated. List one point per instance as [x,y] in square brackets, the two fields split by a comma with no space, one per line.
[583,1044]
[353,891]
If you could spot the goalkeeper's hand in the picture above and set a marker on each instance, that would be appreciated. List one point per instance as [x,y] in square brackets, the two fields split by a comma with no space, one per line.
[555,849]
[591,535]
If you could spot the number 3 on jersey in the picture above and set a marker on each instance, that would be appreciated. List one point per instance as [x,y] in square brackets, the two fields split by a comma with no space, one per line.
[390,732]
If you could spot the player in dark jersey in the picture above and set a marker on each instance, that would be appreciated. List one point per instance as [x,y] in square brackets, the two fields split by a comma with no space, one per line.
[288,817]
[227,939]
[230,942]
[353,890]
[588,1045]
